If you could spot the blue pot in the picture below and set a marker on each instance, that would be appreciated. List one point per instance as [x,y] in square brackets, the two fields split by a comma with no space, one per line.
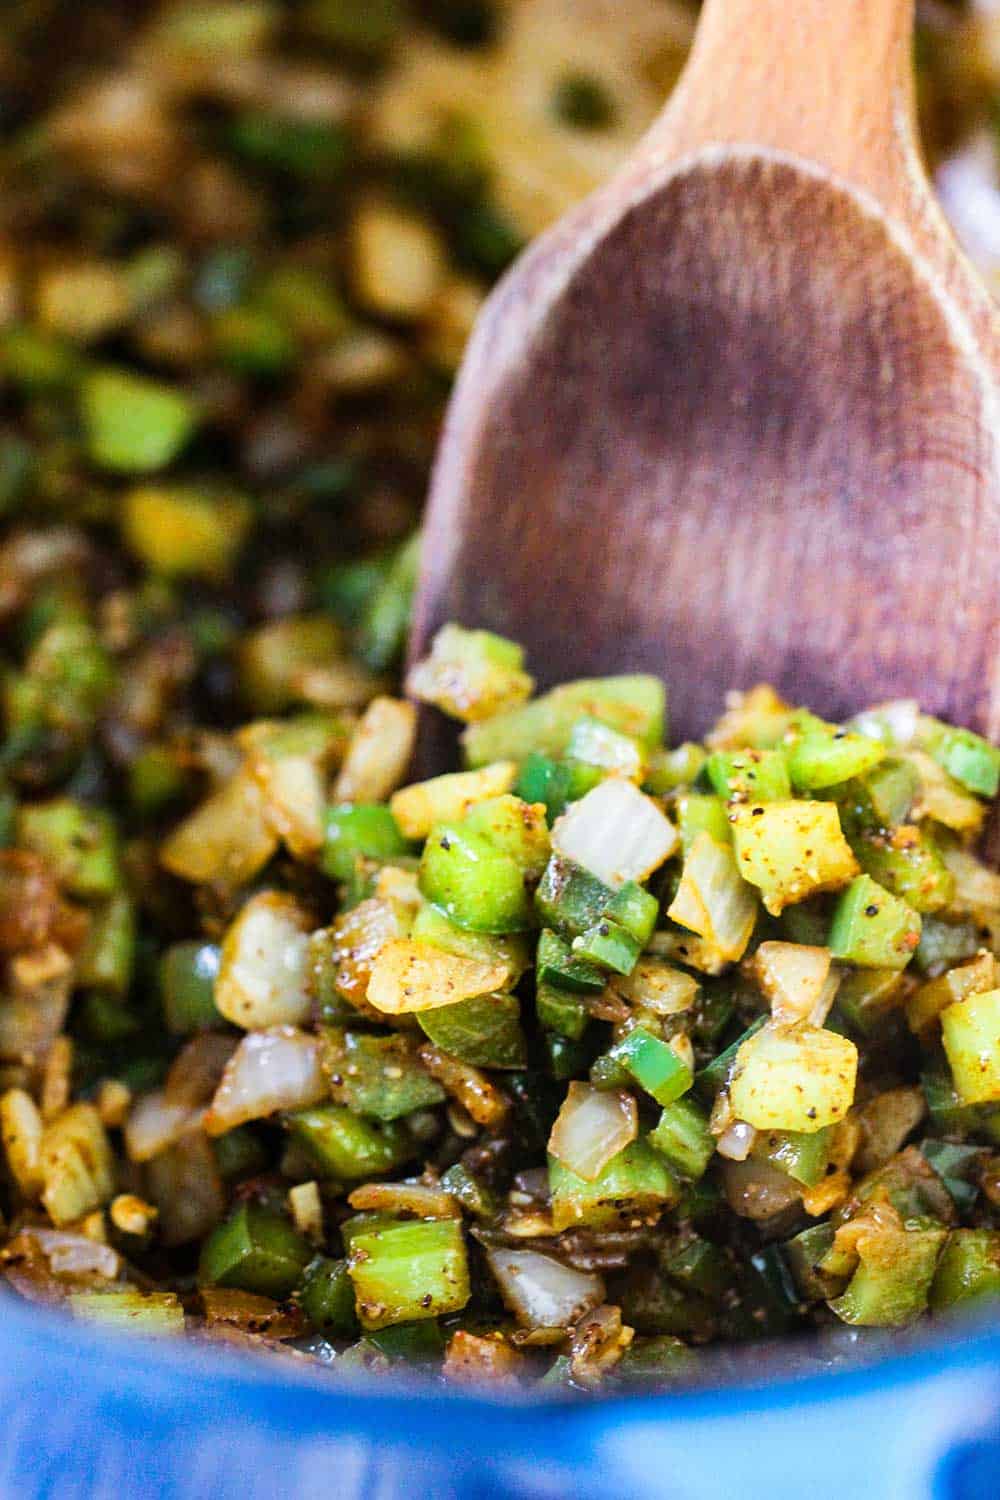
[90,1416]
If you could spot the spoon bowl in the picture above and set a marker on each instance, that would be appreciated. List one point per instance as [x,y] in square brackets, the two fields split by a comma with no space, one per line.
[735,418]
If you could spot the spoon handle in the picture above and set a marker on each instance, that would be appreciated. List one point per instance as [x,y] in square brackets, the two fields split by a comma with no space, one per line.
[829,80]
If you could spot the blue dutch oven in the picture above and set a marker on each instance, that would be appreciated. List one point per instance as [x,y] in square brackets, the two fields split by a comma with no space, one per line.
[88,1416]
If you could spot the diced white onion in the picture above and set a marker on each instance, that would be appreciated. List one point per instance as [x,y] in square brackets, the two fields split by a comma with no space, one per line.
[894,723]
[540,1291]
[270,1070]
[616,832]
[410,976]
[76,1254]
[153,1125]
[713,900]
[793,976]
[657,986]
[264,964]
[736,1141]
[592,1127]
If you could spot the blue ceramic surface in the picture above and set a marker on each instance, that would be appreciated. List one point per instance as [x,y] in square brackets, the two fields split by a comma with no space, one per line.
[85,1416]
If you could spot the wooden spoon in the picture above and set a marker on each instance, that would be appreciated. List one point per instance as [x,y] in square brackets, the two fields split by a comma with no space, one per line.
[735,418]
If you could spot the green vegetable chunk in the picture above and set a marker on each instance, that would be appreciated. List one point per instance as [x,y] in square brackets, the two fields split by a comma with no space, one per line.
[683,1138]
[404,1272]
[134,425]
[872,928]
[379,1077]
[485,1031]
[968,1269]
[637,1183]
[345,1147]
[893,1280]
[654,1065]
[635,706]
[362,831]
[757,775]
[326,1296]
[256,1251]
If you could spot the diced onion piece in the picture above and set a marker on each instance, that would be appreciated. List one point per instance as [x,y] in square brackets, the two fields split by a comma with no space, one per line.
[77,1164]
[227,839]
[70,1254]
[294,791]
[616,832]
[540,1291]
[970,1030]
[270,1070]
[793,977]
[306,1207]
[657,986]
[379,752]
[756,1190]
[592,1127]
[405,1198]
[977,887]
[447,799]
[262,1316]
[794,1080]
[470,674]
[894,723]
[154,1125]
[357,938]
[478,1095]
[409,976]
[197,1069]
[185,1185]
[21,1131]
[943,799]
[713,900]
[736,1141]
[264,964]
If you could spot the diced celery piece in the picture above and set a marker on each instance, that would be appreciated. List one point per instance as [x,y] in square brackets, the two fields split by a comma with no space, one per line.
[828,756]
[569,899]
[345,1147]
[380,1077]
[408,1271]
[485,1031]
[635,909]
[654,1065]
[637,1183]
[609,944]
[634,705]
[79,843]
[892,789]
[909,865]
[188,972]
[545,780]
[684,1139]
[560,1011]
[801,1157]
[971,760]
[257,1251]
[475,884]
[749,775]
[558,965]
[893,1280]
[134,425]
[697,812]
[790,850]
[326,1296]
[970,1030]
[149,1313]
[668,769]
[106,959]
[873,928]
[362,831]
[515,828]
[799,1079]
[968,1269]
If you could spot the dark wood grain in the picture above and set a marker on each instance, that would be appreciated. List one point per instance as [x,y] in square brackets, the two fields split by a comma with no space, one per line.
[736,420]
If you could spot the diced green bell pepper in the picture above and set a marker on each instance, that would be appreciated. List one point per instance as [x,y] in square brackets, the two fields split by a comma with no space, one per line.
[134,425]
[654,1065]
[893,1280]
[637,1183]
[873,928]
[570,900]
[968,1269]
[256,1251]
[485,1031]
[475,884]
[698,812]
[380,1077]
[545,780]
[609,944]
[971,760]
[683,1138]
[361,831]
[557,965]
[560,1011]
[827,756]
[188,972]
[326,1296]
[800,1156]
[634,705]
[80,843]
[345,1147]
[107,958]
[909,865]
